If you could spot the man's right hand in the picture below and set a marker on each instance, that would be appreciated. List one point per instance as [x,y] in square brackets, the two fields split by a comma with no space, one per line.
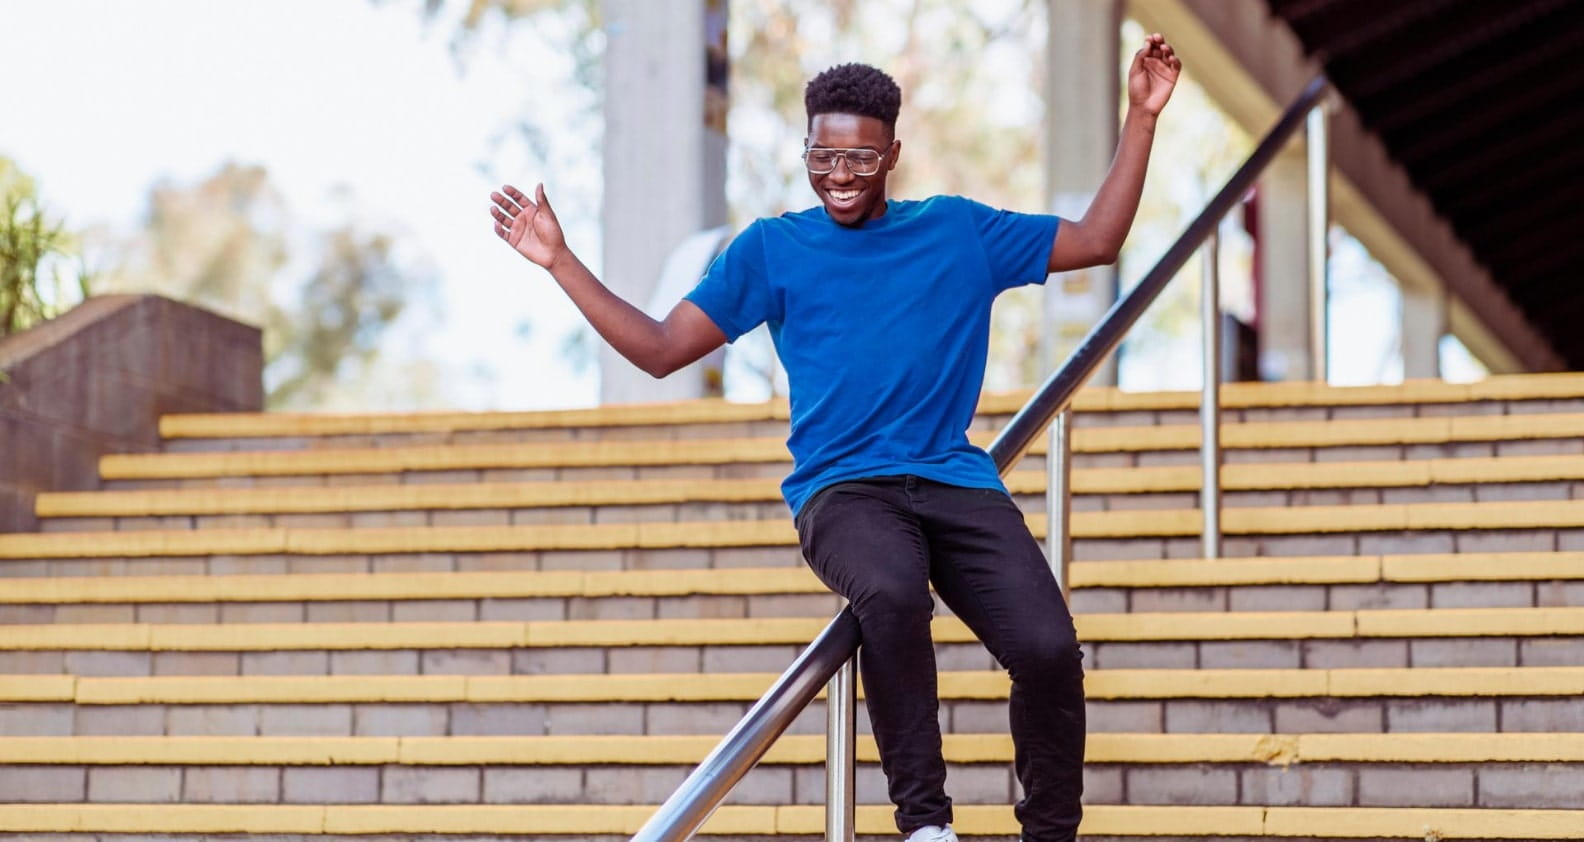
[528,225]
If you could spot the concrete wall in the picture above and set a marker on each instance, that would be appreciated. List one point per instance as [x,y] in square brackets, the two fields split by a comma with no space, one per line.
[96,380]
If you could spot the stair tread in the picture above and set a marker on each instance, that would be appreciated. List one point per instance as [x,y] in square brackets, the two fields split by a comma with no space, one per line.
[1348,682]
[1102,747]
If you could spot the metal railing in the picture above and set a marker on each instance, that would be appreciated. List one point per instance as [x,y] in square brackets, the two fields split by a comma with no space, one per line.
[832,653]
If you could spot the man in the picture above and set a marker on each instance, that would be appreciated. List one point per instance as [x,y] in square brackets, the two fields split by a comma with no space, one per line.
[880,311]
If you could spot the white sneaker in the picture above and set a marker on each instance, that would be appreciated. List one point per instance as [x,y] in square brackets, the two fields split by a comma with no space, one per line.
[933,833]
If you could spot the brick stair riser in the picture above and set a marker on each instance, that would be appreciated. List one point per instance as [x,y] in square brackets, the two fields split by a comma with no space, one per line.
[1322,784]
[1382,542]
[1459,714]
[1107,600]
[1336,544]
[1402,653]
[519,837]
[775,509]
[682,660]
[581,837]
[1338,597]
[544,435]
[672,558]
[526,609]
[985,421]
[779,468]
[1335,654]
[731,470]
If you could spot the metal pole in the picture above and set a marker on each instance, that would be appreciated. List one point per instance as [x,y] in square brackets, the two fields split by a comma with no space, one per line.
[691,804]
[1319,225]
[1057,391]
[1210,401]
[841,728]
[1058,497]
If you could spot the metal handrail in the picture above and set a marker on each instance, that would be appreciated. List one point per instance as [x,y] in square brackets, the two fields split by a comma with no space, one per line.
[1057,391]
[691,804]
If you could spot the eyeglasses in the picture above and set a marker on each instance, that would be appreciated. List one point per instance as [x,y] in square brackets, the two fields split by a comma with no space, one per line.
[821,160]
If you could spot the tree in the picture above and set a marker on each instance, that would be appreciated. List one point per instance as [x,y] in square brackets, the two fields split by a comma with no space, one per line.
[224,244]
[33,283]
[333,337]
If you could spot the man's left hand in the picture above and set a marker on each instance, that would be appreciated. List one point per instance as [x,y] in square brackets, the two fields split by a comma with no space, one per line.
[1153,75]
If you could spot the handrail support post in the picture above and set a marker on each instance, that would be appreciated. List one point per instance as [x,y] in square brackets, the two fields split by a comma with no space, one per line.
[841,728]
[1210,400]
[1319,160]
[1058,498]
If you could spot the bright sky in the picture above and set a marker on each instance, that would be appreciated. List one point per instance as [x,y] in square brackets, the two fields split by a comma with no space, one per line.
[322,93]
[338,97]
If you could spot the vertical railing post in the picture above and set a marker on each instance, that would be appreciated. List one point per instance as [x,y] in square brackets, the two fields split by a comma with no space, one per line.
[1319,249]
[1210,400]
[841,727]
[1058,497]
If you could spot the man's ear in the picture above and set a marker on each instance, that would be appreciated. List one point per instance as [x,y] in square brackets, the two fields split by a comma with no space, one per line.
[896,152]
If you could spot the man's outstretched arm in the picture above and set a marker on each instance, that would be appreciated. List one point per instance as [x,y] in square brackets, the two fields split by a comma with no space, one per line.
[658,347]
[1097,238]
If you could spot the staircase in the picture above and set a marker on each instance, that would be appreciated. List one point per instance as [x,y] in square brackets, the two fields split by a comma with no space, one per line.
[509,625]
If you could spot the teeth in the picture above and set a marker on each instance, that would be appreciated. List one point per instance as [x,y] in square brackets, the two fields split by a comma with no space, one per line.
[843,195]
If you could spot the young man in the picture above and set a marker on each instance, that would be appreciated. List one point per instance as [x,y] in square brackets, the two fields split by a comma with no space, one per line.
[880,311]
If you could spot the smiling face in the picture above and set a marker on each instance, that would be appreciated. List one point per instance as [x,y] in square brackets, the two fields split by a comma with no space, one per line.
[852,199]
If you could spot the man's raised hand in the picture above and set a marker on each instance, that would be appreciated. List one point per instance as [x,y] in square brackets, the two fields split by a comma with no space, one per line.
[1153,74]
[528,225]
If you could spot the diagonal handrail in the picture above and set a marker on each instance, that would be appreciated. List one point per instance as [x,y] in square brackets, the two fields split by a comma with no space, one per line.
[692,803]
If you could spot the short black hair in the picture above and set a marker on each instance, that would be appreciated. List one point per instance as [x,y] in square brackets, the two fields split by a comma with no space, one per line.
[854,89]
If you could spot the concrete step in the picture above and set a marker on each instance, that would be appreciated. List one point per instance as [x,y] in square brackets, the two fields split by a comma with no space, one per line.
[1501,395]
[1231,640]
[739,823]
[1474,479]
[1477,580]
[1291,441]
[1364,700]
[1129,535]
[1450,769]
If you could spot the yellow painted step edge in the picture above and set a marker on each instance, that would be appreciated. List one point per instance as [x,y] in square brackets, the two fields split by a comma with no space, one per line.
[1421,568]
[276,424]
[339,587]
[1260,476]
[1119,748]
[1249,435]
[1098,684]
[1094,628]
[1149,523]
[808,820]
[1234,395]
[1172,573]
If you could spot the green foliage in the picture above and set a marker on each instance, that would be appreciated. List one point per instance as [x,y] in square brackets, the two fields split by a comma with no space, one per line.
[224,244]
[356,291]
[32,248]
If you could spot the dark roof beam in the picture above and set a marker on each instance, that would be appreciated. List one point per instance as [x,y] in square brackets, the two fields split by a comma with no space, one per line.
[1370,25]
[1550,292]
[1508,153]
[1490,192]
[1521,201]
[1303,13]
[1449,41]
[1476,135]
[1394,110]
[1492,227]
[1539,250]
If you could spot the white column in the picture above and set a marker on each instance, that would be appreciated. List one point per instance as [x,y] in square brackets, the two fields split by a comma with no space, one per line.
[1423,323]
[1284,318]
[664,160]
[1082,86]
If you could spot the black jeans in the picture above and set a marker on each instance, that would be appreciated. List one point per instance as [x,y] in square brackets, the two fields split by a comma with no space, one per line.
[880,543]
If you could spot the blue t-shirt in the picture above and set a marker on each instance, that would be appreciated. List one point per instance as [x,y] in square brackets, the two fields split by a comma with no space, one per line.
[883,330]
